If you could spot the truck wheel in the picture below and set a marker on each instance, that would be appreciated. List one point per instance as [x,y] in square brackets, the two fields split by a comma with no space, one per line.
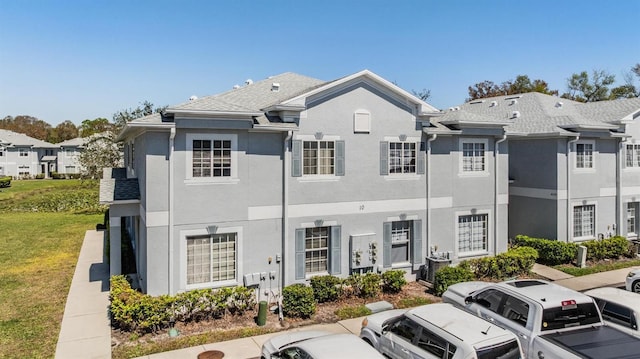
[635,287]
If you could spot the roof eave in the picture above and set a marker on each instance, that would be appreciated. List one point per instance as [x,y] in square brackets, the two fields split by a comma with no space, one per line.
[212,113]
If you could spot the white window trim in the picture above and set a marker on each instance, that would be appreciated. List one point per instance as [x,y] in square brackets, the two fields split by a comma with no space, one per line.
[457,233]
[190,137]
[595,220]
[631,234]
[183,255]
[403,176]
[624,153]
[461,171]
[591,169]
[318,177]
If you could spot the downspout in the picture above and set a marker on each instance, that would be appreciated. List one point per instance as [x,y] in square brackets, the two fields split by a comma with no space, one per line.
[496,154]
[619,210]
[428,170]
[285,219]
[568,223]
[172,136]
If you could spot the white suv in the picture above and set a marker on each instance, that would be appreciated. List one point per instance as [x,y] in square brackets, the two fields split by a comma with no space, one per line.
[633,281]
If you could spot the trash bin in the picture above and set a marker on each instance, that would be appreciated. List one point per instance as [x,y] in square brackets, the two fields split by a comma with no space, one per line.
[262,313]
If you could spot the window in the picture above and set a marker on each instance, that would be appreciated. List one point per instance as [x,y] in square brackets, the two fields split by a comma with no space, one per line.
[404,328]
[616,313]
[316,250]
[584,155]
[435,345]
[562,317]
[584,221]
[472,233]
[402,157]
[211,258]
[490,299]
[473,156]
[400,238]
[211,158]
[70,169]
[318,157]
[632,217]
[516,311]
[24,152]
[633,155]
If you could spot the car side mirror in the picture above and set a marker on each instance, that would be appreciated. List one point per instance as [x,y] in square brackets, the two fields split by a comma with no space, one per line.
[468,300]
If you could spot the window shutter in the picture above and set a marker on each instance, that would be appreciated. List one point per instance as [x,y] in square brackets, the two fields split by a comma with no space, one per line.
[300,254]
[296,158]
[336,244]
[384,158]
[386,244]
[339,158]
[420,167]
[416,242]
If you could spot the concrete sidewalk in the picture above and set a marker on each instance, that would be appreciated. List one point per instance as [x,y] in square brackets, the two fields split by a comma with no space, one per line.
[85,331]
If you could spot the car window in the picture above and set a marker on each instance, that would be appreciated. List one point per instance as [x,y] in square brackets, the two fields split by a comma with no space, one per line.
[574,315]
[490,299]
[404,328]
[294,353]
[507,350]
[616,313]
[435,345]
[516,310]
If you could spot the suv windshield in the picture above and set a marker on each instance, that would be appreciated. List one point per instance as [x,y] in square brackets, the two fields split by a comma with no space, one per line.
[558,318]
[507,350]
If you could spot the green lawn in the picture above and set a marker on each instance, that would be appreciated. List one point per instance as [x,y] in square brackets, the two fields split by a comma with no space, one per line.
[597,268]
[38,254]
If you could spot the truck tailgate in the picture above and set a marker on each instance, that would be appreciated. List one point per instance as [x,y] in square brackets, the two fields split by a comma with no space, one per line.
[600,342]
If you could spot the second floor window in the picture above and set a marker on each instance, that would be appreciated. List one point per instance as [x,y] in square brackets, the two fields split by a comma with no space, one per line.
[211,158]
[584,155]
[473,156]
[633,155]
[402,157]
[318,157]
[24,152]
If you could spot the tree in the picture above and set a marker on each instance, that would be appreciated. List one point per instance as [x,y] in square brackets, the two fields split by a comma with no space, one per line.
[101,150]
[629,89]
[522,84]
[584,89]
[64,131]
[27,125]
[90,127]
[121,118]
[423,95]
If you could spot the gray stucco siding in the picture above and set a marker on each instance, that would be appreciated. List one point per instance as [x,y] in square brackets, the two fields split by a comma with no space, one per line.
[533,217]
[534,163]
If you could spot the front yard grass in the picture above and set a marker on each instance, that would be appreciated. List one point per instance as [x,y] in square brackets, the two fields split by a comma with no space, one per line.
[38,255]
[597,268]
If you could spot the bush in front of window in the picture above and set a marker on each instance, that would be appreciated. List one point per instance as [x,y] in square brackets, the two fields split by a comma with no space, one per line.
[40,176]
[5,182]
[609,248]
[298,301]
[550,252]
[366,285]
[393,281]
[451,275]
[241,300]
[326,288]
[514,262]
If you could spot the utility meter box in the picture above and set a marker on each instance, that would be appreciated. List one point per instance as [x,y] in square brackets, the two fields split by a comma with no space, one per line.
[365,252]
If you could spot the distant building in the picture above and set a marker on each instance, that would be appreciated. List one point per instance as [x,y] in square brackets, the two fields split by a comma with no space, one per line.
[69,155]
[22,156]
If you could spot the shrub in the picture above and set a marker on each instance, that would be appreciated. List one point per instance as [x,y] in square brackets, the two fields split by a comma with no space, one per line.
[393,281]
[451,275]
[5,182]
[40,176]
[326,288]
[241,300]
[365,285]
[549,251]
[610,248]
[514,262]
[352,312]
[297,301]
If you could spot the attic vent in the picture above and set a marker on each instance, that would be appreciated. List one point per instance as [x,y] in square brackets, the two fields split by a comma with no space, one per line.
[559,104]
[493,104]
[450,108]
[457,108]
[235,87]
[515,114]
[193,98]
[275,87]
[513,102]
[476,101]
[248,82]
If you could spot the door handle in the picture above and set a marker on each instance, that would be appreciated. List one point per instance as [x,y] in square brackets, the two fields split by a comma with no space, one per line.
[522,336]
[404,351]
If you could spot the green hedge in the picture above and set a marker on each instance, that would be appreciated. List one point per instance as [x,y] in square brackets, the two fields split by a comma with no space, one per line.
[136,312]
[550,252]
[451,275]
[554,252]
[5,181]
[298,301]
[366,285]
[514,262]
[326,288]
[393,281]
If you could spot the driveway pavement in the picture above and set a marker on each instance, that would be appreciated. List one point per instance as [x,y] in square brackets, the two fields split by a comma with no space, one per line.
[85,330]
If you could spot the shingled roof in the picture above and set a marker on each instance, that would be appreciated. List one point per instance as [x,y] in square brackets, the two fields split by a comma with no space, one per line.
[15,139]
[115,186]
[539,114]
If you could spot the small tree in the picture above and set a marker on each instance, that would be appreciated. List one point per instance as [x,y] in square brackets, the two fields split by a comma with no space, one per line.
[101,150]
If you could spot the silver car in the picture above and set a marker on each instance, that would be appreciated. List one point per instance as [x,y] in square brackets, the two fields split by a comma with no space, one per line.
[315,344]
[633,281]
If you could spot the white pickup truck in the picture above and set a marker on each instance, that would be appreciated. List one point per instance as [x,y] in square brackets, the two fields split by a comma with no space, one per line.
[550,321]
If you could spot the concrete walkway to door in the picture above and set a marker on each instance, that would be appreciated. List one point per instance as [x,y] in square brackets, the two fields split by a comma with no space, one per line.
[85,331]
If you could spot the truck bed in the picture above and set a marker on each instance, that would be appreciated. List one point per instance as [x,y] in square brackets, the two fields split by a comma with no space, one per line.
[601,342]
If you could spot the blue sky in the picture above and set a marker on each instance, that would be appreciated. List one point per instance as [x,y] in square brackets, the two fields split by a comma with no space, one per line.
[76,60]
